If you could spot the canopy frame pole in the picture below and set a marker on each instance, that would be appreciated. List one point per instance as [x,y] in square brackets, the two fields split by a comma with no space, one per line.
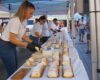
[97,12]
[95,38]
[73,22]
[68,19]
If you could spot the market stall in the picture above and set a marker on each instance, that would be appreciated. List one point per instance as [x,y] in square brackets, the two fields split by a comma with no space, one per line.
[58,60]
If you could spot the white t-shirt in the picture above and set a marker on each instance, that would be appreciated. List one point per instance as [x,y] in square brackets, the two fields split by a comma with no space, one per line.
[45,30]
[37,28]
[53,27]
[49,26]
[16,27]
[82,24]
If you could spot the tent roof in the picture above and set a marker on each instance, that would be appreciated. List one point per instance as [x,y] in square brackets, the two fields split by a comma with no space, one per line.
[48,7]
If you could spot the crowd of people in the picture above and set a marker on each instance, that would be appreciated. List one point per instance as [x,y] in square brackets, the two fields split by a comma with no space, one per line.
[83,30]
[14,34]
[44,28]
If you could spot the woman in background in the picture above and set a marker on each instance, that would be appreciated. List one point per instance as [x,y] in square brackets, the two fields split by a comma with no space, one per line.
[36,32]
[45,32]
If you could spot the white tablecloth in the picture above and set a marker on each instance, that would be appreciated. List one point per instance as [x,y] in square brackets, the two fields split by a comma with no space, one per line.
[78,67]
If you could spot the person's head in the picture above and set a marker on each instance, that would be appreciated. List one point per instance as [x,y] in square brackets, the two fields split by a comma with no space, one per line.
[42,19]
[25,11]
[82,18]
[36,20]
[55,21]
[62,23]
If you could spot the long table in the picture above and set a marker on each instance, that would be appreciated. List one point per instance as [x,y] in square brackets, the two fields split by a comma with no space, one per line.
[78,67]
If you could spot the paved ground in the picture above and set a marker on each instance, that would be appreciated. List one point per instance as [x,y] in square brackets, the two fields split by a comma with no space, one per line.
[86,58]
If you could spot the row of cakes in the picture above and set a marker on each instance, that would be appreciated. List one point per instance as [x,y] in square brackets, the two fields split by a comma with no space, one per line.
[54,66]
[38,70]
[67,67]
[67,71]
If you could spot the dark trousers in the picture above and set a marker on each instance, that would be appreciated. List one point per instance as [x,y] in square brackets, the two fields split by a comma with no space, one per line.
[44,39]
[8,56]
[35,39]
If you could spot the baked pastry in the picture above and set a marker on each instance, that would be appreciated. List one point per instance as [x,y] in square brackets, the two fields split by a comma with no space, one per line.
[67,71]
[44,61]
[56,56]
[47,52]
[29,62]
[37,56]
[66,59]
[57,46]
[53,71]
[65,51]
[56,62]
[37,71]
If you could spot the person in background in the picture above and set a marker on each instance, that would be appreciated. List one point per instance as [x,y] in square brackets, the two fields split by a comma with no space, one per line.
[88,38]
[61,25]
[54,26]
[82,24]
[77,25]
[55,22]
[45,32]
[14,34]
[49,26]
[36,32]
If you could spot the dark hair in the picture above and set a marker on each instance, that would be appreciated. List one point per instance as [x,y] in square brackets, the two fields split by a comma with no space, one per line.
[42,18]
[55,19]
[36,20]
[2,24]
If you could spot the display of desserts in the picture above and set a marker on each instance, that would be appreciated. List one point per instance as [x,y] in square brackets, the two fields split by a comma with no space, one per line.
[53,57]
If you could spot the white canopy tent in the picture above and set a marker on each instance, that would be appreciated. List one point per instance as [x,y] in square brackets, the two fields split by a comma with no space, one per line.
[47,7]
